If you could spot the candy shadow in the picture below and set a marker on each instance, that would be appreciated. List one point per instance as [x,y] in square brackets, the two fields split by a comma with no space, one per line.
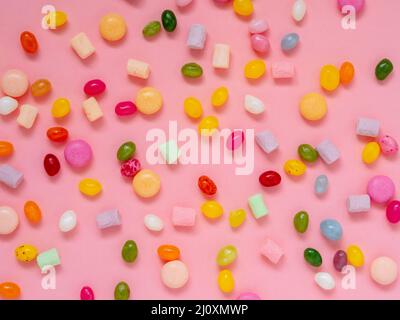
[111,231]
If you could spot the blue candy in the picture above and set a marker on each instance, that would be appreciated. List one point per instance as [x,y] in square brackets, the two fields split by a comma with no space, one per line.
[321,184]
[290,41]
[331,229]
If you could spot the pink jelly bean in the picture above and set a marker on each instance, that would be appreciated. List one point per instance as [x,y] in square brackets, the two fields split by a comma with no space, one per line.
[87,293]
[94,87]
[357,4]
[258,26]
[125,108]
[381,189]
[78,153]
[248,296]
[130,168]
[183,3]
[393,211]
[388,145]
[235,140]
[259,43]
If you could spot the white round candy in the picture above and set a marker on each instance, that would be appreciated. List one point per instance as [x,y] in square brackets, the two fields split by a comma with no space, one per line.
[153,222]
[324,280]
[299,10]
[7,105]
[67,221]
[253,104]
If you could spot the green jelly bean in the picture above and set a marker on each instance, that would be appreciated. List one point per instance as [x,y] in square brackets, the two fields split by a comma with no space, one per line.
[192,70]
[168,19]
[313,257]
[151,29]
[126,151]
[226,255]
[383,69]
[307,153]
[129,251]
[122,291]
[300,221]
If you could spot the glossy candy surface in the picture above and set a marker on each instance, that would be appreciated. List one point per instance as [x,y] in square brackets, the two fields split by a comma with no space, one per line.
[192,70]
[87,293]
[112,27]
[61,108]
[51,164]
[9,290]
[355,256]
[169,21]
[243,7]
[193,108]
[301,221]
[129,251]
[237,217]
[371,152]
[307,153]
[295,168]
[254,69]
[393,211]
[146,183]
[226,281]
[130,168]
[57,134]
[207,185]
[29,42]
[40,87]
[151,29]
[208,125]
[346,73]
[26,253]
[122,291]
[383,69]
[313,257]
[94,87]
[270,178]
[226,255]
[212,209]
[126,151]
[6,149]
[125,108]
[90,187]
[219,97]
[168,252]
[340,260]
[32,212]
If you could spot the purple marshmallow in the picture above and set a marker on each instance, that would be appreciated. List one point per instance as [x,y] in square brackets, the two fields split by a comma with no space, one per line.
[328,152]
[196,37]
[108,219]
[10,176]
[267,141]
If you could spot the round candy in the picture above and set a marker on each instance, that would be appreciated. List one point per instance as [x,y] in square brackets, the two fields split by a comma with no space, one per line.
[78,153]
[329,77]
[289,42]
[129,251]
[40,87]
[9,290]
[174,274]
[148,100]
[125,108]
[384,271]
[254,69]
[381,189]
[313,257]
[146,183]
[14,83]
[371,152]
[357,4]
[313,106]
[6,149]
[295,168]
[259,43]
[226,282]
[346,73]
[153,222]
[94,87]
[26,253]
[393,211]
[355,256]
[32,212]
[122,291]
[208,125]
[7,105]
[126,151]
[340,260]
[212,209]
[130,168]
[248,296]
[243,7]
[87,293]
[61,108]
[325,281]
[258,26]
[28,42]
[112,27]
[270,179]
[219,97]
[207,185]
[193,108]
[90,187]
[168,20]
[307,153]
[237,217]
[51,164]
[226,256]
[331,229]
[8,220]
[388,145]
[168,252]
[383,69]
[57,134]
[67,221]
[300,221]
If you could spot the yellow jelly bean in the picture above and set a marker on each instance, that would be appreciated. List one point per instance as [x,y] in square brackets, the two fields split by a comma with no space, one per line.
[26,253]
[329,77]
[254,69]
[90,187]
[295,167]
[243,7]
[212,209]
[219,97]
[226,282]
[208,125]
[61,108]
[193,108]
[237,217]
[371,152]
[313,106]
[355,256]
[56,19]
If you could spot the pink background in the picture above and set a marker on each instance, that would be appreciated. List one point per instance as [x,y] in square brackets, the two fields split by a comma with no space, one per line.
[92,257]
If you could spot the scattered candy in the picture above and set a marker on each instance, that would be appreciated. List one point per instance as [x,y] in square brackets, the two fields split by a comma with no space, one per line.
[7,105]
[329,77]
[151,29]
[78,153]
[148,100]
[355,256]
[14,83]
[368,127]
[266,141]
[90,187]
[138,69]
[384,271]
[29,42]
[61,108]
[381,189]
[289,42]
[393,211]
[371,152]
[192,70]
[8,220]
[237,217]
[331,229]
[243,7]
[67,221]
[321,184]
[282,70]
[312,257]
[259,43]
[340,260]
[87,293]
[295,168]
[10,176]
[57,134]
[168,252]
[270,178]
[51,164]
[27,116]
[125,108]
[129,251]
[358,203]
[130,168]
[313,107]
[208,125]
[226,256]
[248,296]
[122,291]
[196,37]
[126,151]
[207,185]
[219,97]
[153,222]
[254,69]
[253,104]
[108,219]
[328,152]
[82,45]
[299,10]
[6,149]
[258,26]
[388,145]
[92,109]
[226,282]
[174,274]
[300,221]
[146,183]
[9,290]
[383,69]
[257,206]
[40,88]
[169,151]
[183,217]
[32,212]
[168,19]
[48,258]
[94,87]
[272,251]
[26,253]
[112,27]
[346,73]
[325,281]
[221,56]
[212,209]
[307,153]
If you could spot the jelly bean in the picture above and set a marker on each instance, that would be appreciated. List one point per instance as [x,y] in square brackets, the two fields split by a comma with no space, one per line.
[78,153]
[346,73]
[94,87]
[329,77]
[57,134]
[313,257]
[300,221]
[9,290]
[383,69]
[358,5]
[151,29]
[325,280]
[192,70]
[313,106]
[307,153]
[212,209]
[371,152]
[146,183]
[122,291]
[40,87]
[6,149]
[331,229]
[193,108]
[67,221]
[258,26]
[125,108]
[7,105]
[112,27]
[28,42]
[340,260]
[129,251]
[208,125]
[51,164]
[237,217]
[259,43]
[14,83]
[26,253]
[148,100]
[168,20]
[90,187]
[393,211]
[355,256]
[9,220]
[168,252]
[235,140]
[130,168]
[126,151]
[61,108]
[289,42]
[220,96]
[226,256]
[243,7]
[174,274]
[32,212]
[295,168]
[226,282]
[153,222]
[56,19]
[270,178]
[183,3]
[253,104]
[381,189]
[384,271]
[87,293]
[321,184]
[248,296]
[254,69]
[207,185]
[388,145]
[299,10]
[48,258]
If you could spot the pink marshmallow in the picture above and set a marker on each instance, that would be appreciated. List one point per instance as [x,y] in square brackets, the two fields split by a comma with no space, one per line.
[272,251]
[282,70]
[183,217]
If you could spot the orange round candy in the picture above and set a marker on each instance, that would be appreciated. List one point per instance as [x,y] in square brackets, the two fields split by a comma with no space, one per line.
[168,252]
[40,87]
[32,212]
[346,72]
[9,290]
[6,148]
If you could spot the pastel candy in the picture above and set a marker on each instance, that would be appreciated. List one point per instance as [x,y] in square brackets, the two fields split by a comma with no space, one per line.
[67,221]
[92,109]
[138,69]
[266,141]
[272,251]
[8,220]
[10,176]
[258,26]
[169,151]
[183,217]
[174,274]
[14,83]
[282,70]
[358,203]
[325,280]
[48,258]
[259,43]
[331,229]
[27,116]
[357,4]
[381,189]
[328,152]
[368,127]
[299,10]
[7,105]
[78,153]
[384,271]
[196,37]
[321,184]
[153,222]
[235,140]
[388,145]
[289,42]
[221,56]
[393,211]
[253,104]
[257,206]
[82,45]
[108,219]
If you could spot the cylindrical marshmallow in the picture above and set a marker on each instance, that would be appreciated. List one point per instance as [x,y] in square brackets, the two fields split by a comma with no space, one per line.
[358,203]
[196,37]
[282,70]
[368,127]
[221,56]
[328,152]
[48,258]
[257,206]
[92,109]
[27,116]
[266,141]
[138,69]
[183,217]
[82,45]
[272,251]
[108,219]
[10,177]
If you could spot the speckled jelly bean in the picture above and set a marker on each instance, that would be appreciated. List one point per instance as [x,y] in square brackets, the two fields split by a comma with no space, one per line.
[130,168]
[393,211]
[6,149]
[301,221]
[226,281]
[270,178]
[26,253]
[295,168]
[57,134]
[87,293]
[289,42]
[129,251]
[122,291]
[51,164]
[125,108]
[329,77]
[331,229]
[126,151]
[212,209]
[207,185]
[340,260]
[94,87]
[168,252]
[381,189]
[29,42]
[321,184]
[237,217]
[312,257]
[169,21]
[254,69]
[151,29]
[40,87]
[388,145]
[192,70]
[307,153]
[32,212]
[226,255]
[346,73]
[383,69]
[90,187]
[355,256]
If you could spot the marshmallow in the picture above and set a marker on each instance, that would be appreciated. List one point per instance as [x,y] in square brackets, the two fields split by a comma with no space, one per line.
[257,206]
[196,37]
[358,203]
[266,141]
[169,151]
[27,116]
[92,109]
[183,217]
[138,69]
[368,127]
[272,251]
[10,176]
[48,258]
[221,56]
[328,152]
[108,219]
[282,70]
[82,45]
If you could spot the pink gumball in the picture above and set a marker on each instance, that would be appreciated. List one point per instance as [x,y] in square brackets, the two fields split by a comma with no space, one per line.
[381,189]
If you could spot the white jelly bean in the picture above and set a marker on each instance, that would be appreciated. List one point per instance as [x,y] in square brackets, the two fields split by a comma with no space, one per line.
[67,221]
[7,105]
[253,104]
[299,10]
[324,280]
[153,222]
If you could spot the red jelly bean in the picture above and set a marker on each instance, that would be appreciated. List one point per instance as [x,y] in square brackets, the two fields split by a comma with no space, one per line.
[393,211]
[94,87]
[125,108]
[207,186]
[87,293]
[57,134]
[51,164]
[130,168]
[270,178]
[29,42]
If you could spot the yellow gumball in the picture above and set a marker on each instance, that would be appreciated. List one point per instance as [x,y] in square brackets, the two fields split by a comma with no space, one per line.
[112,27]
[355,256]
[329,77]
[61,108]
[313,107]
[146,183]
[90,187]
[237,217]
[254,69]
[219,97]
[148,100]
[26,253]
[295,168]
[193,108]
[371,152]
[243,7]
[212,209]
[208,126]
[226,282]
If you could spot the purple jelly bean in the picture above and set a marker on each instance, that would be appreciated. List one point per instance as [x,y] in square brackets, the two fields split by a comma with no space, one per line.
[340,260]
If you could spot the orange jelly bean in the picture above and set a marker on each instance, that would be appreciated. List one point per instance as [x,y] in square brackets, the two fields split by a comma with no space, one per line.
[6,148]
[168,252]
[29,42]
[346,72]
[57,134]
[9,290]
[32,212]
[40,87]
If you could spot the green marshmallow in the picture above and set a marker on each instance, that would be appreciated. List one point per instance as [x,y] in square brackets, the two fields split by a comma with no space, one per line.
[169,151]
[257,206]
[48,258]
